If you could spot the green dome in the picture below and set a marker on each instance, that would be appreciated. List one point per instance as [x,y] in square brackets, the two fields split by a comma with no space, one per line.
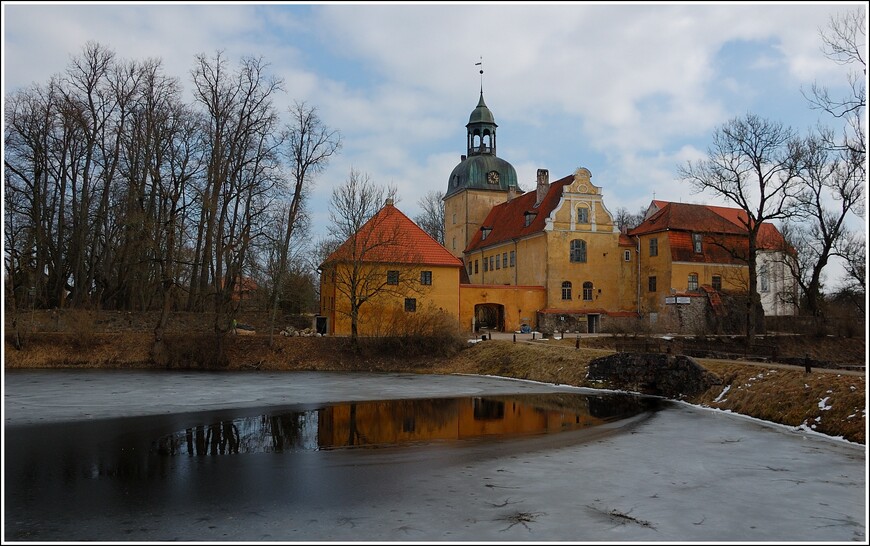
[473,173]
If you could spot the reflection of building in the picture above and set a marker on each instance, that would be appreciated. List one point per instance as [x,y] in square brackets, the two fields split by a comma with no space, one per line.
[404,421]
[552,258]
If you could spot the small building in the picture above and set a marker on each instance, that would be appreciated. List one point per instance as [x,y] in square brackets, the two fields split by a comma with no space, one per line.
[394,270]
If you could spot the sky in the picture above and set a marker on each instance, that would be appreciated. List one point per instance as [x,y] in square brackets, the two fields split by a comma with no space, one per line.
[630,91]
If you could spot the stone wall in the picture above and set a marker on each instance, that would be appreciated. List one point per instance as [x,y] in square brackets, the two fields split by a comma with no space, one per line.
[657,374]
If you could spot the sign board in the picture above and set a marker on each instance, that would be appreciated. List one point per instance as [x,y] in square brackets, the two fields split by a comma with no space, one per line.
[670,300]
[684,299]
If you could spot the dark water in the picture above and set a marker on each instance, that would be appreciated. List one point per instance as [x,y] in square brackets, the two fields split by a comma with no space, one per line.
[81,470]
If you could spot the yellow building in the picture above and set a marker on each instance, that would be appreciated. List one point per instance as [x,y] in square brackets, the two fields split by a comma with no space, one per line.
[385,275]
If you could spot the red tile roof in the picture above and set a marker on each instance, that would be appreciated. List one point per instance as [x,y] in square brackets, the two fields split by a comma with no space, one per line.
[707,219]
[507,220]
[391,237]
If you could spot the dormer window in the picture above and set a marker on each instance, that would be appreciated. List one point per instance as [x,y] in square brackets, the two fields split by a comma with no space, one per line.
[696,242]
[484,232]
[529,216]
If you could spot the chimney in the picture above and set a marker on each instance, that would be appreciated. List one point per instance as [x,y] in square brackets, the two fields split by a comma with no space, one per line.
[462,157]
[543,185]
[512,192]
[388,202]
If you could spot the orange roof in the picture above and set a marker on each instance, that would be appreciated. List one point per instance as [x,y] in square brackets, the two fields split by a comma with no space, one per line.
[507,220]
[391,237]
[706,219]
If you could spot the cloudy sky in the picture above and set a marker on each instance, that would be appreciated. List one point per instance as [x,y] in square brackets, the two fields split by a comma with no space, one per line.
[629,91]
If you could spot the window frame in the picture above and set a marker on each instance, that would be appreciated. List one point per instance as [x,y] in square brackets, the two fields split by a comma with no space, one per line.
[651,284]
[410,305]
[427,276]
[393,277]
[588,289]
[566,290]
[653,246]
[692,280]
[577,255]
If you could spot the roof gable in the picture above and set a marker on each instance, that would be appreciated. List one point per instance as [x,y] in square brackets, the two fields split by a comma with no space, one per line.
[391,237]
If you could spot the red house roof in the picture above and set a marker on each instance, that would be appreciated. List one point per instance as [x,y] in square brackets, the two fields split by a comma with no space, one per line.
[507,220]
[391,237]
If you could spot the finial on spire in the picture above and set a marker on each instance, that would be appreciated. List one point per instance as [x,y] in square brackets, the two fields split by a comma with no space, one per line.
[480,64]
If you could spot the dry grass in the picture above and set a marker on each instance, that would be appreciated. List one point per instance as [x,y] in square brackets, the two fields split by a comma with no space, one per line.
[826,401]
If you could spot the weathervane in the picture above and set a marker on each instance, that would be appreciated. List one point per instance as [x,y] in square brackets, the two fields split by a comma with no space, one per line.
[480,64]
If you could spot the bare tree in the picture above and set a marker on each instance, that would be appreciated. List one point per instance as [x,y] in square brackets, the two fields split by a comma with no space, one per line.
[625,220]
[431,217]
[371,239]
[752,163]
[241,174]
[311,145]
[832,188]
[844,42]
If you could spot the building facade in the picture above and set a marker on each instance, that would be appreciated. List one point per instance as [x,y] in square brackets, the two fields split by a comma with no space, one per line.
[553,259]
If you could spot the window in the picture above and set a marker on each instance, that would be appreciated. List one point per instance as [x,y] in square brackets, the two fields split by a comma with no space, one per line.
[654,247]
[485,233]
[566,290]
[627,255]
[763,279]
[392,277]
[454,217]
[513,258]
[475,267]
[411,305]
[426,276]
[485,265]
[693,282]
[454,243]
[578,251]
[717,282]
[651,284]
[504,259]
[498,261]
[587,291]
[491,263]
[582,215]
[696,242]
[529,217]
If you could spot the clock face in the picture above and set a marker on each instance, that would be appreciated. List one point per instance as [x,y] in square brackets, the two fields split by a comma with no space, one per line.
[492,177]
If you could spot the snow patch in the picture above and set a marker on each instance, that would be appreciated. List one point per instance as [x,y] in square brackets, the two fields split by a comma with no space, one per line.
[823,403]
[721,394]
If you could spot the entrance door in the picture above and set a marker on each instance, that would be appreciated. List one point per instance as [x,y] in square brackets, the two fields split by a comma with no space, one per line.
[593,323]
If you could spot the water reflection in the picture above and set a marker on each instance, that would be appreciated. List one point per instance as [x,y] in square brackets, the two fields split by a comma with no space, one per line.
[395,422]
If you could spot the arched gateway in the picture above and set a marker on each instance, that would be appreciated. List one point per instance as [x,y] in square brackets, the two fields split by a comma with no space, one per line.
[489,316]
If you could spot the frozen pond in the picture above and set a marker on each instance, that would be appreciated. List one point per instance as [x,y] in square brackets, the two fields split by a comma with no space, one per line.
[160,456]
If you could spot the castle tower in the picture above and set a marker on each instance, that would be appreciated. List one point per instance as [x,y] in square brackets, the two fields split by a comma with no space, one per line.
[480,181]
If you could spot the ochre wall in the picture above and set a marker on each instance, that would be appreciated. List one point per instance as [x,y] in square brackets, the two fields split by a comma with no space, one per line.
[463,214]
[519,302]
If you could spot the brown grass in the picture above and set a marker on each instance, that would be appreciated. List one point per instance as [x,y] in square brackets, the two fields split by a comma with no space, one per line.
[780,394]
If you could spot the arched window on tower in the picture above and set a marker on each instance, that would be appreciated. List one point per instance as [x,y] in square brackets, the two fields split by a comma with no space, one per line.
[486,142]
